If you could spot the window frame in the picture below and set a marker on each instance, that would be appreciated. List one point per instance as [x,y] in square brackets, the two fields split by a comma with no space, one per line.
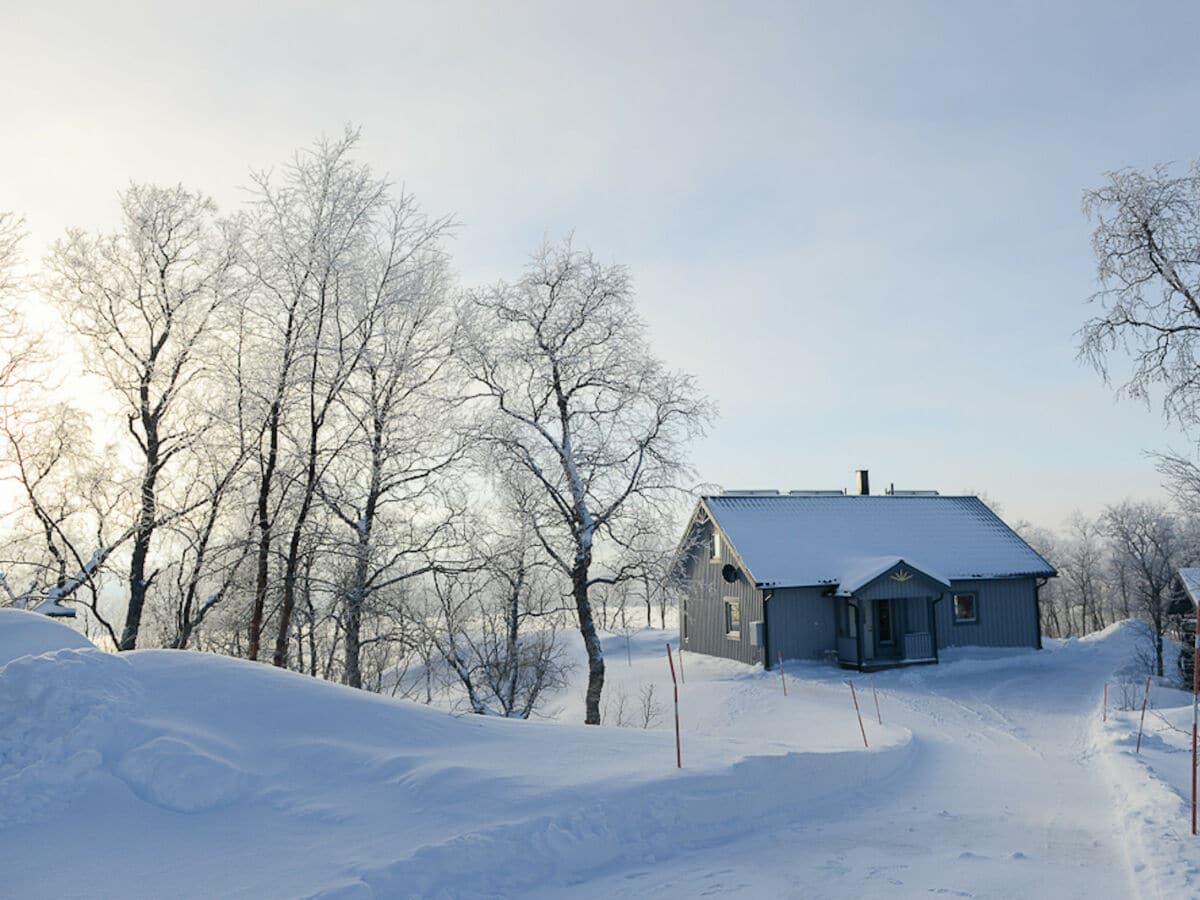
[973,619]
[733,618]
[714,545]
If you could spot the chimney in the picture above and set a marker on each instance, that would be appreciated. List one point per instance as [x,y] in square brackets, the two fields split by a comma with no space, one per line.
[864,482]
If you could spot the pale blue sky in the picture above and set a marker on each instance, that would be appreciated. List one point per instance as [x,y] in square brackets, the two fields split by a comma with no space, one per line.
[858,224]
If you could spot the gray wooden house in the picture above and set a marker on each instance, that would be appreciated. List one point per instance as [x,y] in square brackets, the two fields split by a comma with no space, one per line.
[866,581]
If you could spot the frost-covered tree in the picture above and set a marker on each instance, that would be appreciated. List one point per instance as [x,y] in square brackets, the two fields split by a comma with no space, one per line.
[1149,542]
[1147,247]
[387,488]
[578,409]
[334,256]
[146,302]
[496,628]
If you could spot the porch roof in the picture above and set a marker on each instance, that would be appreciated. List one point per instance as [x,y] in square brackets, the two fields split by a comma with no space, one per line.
[865,571]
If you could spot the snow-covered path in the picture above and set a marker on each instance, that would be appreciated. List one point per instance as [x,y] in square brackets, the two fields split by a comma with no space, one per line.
[1003,798]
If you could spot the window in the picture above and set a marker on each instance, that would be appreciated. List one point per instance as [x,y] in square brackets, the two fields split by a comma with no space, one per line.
[733,617]
[964,609]
[714,544]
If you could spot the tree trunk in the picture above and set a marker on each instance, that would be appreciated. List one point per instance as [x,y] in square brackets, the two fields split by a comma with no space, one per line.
[141,550]
[288,606]
[353,651]
[264,534]
[591,640]
[512,642]
[1158,646]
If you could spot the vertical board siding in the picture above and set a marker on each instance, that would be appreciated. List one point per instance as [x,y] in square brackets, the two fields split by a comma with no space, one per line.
[802,624]
[705,606]
[1006,609]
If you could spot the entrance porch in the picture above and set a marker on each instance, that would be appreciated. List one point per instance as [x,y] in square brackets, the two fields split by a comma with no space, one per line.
[887,619]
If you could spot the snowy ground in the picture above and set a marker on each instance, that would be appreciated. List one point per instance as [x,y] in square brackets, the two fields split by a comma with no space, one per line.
[160,773]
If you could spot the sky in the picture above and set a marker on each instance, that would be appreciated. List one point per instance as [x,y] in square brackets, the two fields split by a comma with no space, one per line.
[858,225]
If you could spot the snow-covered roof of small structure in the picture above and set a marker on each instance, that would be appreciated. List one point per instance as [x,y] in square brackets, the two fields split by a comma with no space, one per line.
[1191,582]
[790,541]
[864,571]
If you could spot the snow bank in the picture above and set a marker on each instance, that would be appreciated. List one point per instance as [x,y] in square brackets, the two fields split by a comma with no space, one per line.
[210,776]
[30,634]
[186,774]
[631,827]
[1152,790]
[60,714]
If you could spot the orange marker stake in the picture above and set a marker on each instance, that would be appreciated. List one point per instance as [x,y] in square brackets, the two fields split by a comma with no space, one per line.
[678,753]
[854,695]
[1138,749]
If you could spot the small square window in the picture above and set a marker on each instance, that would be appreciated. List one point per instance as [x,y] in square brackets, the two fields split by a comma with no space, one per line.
[733,617]
[964,608]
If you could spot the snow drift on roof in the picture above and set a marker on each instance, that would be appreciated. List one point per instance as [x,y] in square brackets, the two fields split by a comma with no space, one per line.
[796,540]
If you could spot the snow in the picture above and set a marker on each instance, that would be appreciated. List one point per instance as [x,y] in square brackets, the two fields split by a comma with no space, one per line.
[862,572]
[794,540]
[172,773]
[1190,577]
[23,633]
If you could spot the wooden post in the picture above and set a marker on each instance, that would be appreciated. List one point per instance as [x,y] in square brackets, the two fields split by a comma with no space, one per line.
[678,753]
[1145,698]
[854,696]
[878,714]
[681,675]
[782,680]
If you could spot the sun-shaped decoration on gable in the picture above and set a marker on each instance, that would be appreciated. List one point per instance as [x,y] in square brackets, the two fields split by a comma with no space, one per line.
[902,575]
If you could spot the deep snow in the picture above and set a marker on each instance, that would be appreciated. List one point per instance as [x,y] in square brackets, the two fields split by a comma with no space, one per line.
[165,773]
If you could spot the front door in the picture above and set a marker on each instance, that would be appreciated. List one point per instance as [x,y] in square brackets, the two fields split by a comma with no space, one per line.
[885,627]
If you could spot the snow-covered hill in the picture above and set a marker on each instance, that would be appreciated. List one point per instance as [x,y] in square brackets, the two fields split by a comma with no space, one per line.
[160,773]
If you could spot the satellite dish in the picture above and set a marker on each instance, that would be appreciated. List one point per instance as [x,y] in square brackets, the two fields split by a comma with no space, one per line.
[729,572]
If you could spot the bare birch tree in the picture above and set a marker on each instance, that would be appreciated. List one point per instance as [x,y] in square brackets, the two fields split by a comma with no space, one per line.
[578,408]
[482,631]
[399,409]
[1147,248]
[332,249]
[145,301]
[1147,538]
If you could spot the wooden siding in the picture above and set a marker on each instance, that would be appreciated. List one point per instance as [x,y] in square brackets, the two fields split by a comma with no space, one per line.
[703,626]
[801,624]
[1006,610]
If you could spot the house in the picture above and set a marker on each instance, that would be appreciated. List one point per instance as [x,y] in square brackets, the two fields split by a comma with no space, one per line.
[868,581]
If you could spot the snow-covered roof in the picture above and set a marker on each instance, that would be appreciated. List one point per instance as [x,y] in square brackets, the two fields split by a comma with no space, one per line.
[790,540]
[1191,582]
[863,571]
